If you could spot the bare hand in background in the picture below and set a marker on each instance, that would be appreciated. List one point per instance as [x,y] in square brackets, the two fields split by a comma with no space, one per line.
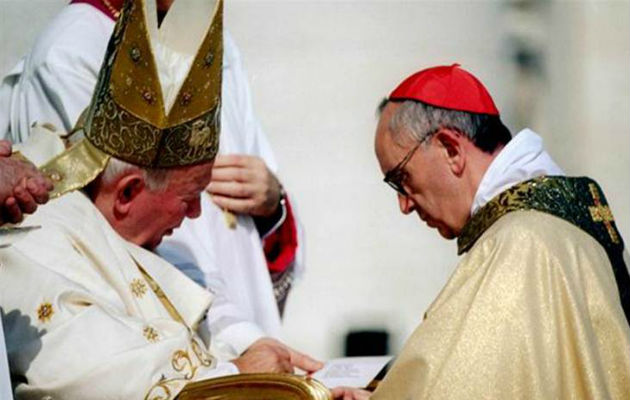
[22,186]
[270,355]
[244,185]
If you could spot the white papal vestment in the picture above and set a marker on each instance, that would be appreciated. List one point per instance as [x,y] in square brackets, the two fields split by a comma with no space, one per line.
[54,84]
[81,314]
[88,315]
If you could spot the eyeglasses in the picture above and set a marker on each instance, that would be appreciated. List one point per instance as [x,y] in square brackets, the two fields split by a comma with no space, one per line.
[397,175]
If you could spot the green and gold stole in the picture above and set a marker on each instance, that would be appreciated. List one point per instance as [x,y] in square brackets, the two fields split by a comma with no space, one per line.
[579,201]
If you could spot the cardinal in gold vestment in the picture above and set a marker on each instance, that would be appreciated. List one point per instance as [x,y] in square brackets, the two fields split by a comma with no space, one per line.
[538,306]
[532,312]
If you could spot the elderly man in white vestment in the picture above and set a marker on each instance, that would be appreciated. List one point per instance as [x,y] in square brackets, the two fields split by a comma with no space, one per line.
[538,306]
[88,311]
[246,246]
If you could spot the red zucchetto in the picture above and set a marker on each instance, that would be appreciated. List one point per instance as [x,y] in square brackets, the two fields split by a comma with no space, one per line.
[448,87]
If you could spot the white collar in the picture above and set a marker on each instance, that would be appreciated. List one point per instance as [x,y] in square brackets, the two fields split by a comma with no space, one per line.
[523,158]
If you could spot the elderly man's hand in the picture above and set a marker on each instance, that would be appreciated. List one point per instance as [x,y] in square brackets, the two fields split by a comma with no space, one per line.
[346,393]
[5,148]
[22,186]
[244,185]
[269,355]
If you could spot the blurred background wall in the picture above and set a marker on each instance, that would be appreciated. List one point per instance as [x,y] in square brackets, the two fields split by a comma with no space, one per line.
[318,70]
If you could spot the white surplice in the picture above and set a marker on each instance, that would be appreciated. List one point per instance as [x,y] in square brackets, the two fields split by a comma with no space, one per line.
[523,158]
[54,84]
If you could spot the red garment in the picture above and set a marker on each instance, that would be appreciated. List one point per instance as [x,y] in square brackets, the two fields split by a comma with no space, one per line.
[281,245]
[99,5]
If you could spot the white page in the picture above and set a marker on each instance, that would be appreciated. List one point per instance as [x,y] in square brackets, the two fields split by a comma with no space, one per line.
[351,371]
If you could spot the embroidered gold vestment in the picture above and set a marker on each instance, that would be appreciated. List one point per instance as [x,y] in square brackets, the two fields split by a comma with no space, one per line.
[82,317]
[532,311]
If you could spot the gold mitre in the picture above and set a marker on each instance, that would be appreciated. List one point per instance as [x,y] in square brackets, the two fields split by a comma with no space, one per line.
[157,102]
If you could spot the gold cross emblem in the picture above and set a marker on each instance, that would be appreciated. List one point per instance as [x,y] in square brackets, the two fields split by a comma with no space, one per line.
[151,334]
[45,312]
[138,287]
[601,213]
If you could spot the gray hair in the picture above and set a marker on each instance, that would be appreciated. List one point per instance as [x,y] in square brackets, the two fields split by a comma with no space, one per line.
[419,121]
[156,179]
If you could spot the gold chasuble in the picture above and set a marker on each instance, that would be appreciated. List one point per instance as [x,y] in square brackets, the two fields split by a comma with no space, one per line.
[533,310]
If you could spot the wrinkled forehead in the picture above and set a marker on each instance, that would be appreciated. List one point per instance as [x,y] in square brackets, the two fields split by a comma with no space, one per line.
[191,179]
[390,147]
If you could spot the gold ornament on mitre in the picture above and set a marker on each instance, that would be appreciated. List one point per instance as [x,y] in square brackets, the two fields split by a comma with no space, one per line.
[157,102]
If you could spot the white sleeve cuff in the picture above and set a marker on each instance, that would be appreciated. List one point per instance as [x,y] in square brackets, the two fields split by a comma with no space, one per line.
[221,369]
[231,341]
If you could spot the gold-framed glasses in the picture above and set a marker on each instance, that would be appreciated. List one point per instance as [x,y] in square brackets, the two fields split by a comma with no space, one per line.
[397,175]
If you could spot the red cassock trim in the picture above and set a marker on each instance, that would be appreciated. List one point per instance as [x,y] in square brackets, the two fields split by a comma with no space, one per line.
[99,5]
[281,245]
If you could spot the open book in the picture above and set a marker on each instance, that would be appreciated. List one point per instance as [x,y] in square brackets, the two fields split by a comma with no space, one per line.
[351,371]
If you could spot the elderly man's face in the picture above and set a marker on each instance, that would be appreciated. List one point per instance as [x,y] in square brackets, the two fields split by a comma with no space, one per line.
[157,213]
[428,179]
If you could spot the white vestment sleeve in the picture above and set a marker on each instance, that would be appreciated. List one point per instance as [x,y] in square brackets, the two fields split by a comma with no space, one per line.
[231,262]
[55,81]
[245,132]
[248,131]
[228,329]
[61,93]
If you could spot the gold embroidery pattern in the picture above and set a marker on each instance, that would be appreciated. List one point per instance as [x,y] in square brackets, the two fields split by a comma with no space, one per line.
[186,366]
[127,116]
[45,312]
[138,287]
[119,133]
[202,355]
[601,213]
[568,198]
[151,334]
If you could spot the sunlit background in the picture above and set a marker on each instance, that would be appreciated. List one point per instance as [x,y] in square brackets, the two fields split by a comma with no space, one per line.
[318,70]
